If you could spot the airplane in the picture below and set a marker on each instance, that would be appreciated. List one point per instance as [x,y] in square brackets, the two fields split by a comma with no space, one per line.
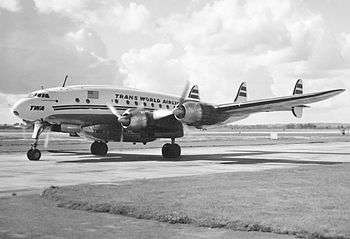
[104,113]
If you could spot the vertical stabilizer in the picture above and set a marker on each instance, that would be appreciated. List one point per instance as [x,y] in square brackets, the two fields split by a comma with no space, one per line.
[194,93]
[298,90]
[242,93]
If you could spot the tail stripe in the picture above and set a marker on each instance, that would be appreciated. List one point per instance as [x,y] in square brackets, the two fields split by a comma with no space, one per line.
[242,93]
[194,93]
[298,89]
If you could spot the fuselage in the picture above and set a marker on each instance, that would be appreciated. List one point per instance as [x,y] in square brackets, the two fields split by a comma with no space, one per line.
[86,100]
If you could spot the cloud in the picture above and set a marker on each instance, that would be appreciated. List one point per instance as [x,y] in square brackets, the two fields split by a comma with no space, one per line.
[269,44]
[154,68]
[126,19]
[39,49]
[10,5]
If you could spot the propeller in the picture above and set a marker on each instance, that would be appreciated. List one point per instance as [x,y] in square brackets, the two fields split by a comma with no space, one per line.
[121,119]
[47,139]
[179,109]
[124,119]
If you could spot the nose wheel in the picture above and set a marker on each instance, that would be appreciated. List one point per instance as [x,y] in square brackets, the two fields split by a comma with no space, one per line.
[171,150]
[99,148]
[34,154]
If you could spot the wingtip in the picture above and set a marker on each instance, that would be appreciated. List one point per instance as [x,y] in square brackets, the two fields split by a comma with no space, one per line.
[340,90]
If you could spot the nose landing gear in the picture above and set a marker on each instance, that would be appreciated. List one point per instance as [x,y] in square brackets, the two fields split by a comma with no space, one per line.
[34,154]
[99,148]
[172,150]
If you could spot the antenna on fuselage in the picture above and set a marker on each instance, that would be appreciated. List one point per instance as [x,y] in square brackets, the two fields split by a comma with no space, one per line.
[65,80]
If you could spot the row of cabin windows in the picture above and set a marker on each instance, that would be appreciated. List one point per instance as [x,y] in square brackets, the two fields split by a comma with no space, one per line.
[128,102]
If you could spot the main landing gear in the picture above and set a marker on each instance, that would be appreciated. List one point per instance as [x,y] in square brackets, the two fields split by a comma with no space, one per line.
[33,153]
[99,148]
[171,150]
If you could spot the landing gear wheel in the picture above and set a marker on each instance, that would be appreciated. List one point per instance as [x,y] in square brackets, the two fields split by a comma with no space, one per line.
[33,154]
[99,148]
[171,151]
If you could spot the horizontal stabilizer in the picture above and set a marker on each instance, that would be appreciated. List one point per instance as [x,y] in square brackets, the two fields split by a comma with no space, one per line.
[242,93]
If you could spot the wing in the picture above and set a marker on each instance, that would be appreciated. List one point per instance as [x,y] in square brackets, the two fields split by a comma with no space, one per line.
[277,104]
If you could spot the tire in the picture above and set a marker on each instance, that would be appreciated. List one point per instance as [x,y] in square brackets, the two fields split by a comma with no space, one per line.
[94,148]
[171,151]
[103,149]
[99,148]
[165,150]
[33,154]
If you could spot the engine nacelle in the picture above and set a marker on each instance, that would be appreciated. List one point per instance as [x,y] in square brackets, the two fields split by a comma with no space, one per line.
[137,121]
[196,113]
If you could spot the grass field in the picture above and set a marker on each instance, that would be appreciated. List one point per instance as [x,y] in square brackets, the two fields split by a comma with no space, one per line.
[309,201]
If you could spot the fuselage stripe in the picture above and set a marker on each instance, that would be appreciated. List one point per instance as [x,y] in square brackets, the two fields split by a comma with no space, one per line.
[99,107]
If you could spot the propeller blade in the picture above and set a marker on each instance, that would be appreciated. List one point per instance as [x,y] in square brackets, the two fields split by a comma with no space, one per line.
[158,114]
[47,139]
[184,93]
[122,134]
[113,110]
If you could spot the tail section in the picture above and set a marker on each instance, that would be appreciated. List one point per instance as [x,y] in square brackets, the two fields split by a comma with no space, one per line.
[242,93]
[194,93]
[298,90]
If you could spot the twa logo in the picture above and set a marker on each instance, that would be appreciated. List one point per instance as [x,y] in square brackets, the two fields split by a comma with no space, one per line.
[37,107]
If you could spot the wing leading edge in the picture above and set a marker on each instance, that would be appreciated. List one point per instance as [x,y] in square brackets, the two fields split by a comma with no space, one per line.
[278,104]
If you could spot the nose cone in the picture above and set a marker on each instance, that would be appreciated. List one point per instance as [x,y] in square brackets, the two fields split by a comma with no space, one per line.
[18,108]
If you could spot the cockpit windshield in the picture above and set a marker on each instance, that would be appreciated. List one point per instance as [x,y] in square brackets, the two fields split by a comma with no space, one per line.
[39,95]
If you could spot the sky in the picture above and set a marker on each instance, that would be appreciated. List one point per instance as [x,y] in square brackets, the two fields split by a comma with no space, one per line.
[160,44]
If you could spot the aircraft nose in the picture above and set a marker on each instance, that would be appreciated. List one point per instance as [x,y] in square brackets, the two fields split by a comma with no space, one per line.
[17,109]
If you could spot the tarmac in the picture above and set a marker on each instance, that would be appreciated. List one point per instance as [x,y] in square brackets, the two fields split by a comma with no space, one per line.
[20,176]
[24,214]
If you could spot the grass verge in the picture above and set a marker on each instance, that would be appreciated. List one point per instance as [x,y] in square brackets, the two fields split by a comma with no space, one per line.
[308,201]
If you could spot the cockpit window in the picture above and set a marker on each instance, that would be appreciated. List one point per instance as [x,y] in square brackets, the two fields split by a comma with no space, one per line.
[47,96]
[39,95]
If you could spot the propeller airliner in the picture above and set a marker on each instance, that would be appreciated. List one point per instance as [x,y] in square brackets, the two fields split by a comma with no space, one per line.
[104,113]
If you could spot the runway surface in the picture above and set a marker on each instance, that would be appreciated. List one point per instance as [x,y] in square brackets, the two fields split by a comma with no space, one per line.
[19,175]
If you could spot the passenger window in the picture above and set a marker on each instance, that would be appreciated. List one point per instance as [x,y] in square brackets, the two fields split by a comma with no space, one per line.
[167,106]
[92,94]
[116,101]
[136,103]
[127,102]
[144,104]
[152,104]
[160,106]
[77,100]
[87,101]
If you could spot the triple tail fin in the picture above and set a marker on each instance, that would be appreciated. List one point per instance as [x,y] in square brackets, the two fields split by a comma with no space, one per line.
[242,93]
[298,90]
[194,93]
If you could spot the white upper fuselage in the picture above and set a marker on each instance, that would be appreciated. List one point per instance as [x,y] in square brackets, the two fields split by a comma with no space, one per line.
[88,99]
